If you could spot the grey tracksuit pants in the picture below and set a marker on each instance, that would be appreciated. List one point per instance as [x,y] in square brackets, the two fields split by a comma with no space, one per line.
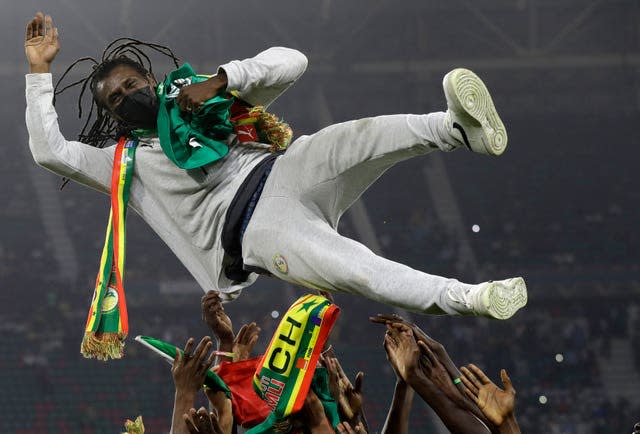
[292,233]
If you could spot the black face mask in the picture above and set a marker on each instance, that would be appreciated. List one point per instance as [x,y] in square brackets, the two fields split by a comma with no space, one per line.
[139,109]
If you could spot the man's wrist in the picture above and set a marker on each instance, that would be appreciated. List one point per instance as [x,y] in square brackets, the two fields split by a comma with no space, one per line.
[39,68]
[509,425]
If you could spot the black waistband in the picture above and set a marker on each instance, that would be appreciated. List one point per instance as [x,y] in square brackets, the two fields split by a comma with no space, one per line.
[239,212]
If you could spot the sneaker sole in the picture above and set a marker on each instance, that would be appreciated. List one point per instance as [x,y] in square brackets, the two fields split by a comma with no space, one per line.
[468,95]
[503,298]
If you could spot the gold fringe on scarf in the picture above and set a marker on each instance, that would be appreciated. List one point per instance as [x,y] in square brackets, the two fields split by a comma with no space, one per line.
[132,427]
[104,346]
[276,132]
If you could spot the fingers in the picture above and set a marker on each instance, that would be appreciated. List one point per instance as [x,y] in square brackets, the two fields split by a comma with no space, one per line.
[39,24]
[202,349]
[506,382]
[189,422]
[479,374]
[188,347]
[28,34]
[210,294]
[55,39]
[177,360]
[425,350]
[48,27]
[242,333]
[345,428]
[470,394]
[205,421]
[357,388]
[326,294]
[383,318]
[470,381]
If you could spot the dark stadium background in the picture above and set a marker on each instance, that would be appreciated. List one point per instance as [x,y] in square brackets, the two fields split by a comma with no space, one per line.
[561,207]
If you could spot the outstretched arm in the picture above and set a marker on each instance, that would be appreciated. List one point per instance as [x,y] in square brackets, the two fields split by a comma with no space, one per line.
[82,163]
[189,371]
[457,394]
[419,367]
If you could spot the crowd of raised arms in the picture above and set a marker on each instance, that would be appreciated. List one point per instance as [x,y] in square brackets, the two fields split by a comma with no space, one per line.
[465,399]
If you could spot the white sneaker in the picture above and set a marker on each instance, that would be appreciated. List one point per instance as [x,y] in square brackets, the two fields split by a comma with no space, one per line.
[472,118]
[499,300]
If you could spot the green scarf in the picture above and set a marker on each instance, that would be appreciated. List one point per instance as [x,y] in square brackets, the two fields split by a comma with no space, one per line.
[192,140]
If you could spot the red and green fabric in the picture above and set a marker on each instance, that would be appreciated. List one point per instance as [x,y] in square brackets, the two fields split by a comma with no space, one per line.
[287,369]
[248,408]
[107,323]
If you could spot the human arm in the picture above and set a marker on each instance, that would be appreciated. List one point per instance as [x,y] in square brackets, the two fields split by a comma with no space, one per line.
[398,416]
[456,394]
[214,316]
[188,372]
[258,80]
[222,404]
[82,163]
[261,79]
[421,370]
[497,404]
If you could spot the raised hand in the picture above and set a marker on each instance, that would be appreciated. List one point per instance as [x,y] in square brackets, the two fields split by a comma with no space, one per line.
[345,428]
[497,404]
[402,351]
[41,43]
[348,396]
[436,347]
[202,422]
[244,342]
[189,370]
[213,314]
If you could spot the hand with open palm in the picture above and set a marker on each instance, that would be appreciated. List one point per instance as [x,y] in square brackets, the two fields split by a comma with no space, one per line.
[497,404]
[41,43]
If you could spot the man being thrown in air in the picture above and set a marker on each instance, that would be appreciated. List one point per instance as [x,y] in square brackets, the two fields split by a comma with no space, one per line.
[291,201]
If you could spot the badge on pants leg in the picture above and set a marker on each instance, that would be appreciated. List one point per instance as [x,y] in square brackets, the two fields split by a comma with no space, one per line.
[280,263]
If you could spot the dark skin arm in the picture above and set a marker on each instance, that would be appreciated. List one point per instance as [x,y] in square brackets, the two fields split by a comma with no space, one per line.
[189,371]
[215,317]
[459,396]
[427,376]
[398,417]
[222,405]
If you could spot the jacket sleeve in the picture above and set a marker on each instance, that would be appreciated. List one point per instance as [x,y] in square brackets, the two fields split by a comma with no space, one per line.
[80,162]
[261,79]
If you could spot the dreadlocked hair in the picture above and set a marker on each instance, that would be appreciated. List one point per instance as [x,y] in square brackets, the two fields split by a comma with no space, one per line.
[99,126]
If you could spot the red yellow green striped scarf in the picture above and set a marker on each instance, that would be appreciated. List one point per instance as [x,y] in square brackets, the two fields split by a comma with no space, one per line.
[288,366]
[107,322]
